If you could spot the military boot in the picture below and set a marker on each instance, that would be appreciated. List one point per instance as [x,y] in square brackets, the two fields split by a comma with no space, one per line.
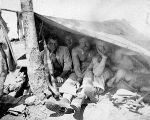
[76,105]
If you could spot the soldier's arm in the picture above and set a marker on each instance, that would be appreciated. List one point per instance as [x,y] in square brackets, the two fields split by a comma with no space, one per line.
[90,67]
[101,66]
[67,62]
[76,64]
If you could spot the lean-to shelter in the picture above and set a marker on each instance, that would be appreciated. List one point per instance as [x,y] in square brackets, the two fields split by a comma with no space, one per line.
[129,48]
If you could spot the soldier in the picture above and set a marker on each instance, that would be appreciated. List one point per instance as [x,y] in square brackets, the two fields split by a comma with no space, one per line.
[58,63]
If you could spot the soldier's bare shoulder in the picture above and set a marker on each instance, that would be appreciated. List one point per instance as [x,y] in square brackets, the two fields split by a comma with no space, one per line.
[75,50]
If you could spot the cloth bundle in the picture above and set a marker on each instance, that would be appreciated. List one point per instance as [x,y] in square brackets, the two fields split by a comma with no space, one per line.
[14,81]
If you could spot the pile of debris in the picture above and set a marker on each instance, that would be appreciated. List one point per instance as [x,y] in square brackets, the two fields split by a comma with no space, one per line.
[14,82]
[127,99]
[123,105]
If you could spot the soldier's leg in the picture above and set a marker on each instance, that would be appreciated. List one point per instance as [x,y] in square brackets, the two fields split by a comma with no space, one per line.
[79,100]
[100,81]
[68,89]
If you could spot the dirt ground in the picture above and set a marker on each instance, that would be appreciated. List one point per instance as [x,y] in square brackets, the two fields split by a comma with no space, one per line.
[103,110]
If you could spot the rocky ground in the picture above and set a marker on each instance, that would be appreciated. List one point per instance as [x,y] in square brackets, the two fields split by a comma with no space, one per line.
[103,110]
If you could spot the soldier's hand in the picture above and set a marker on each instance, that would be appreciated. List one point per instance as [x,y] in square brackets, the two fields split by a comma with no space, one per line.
[60,80]
[77,84]
[53,57]
[110,83]
[98,90]
[101,53]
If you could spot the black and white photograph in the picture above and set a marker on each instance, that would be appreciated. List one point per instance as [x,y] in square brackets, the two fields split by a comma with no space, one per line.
[74,59]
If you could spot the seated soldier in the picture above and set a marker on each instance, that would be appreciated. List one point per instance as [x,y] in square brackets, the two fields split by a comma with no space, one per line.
[57,62]
[82,57]
[129,73]
[69,42]
[96,76]
[93,82]
[132,81]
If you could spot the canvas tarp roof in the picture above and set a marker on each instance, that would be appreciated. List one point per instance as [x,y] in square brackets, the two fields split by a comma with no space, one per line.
[118,32]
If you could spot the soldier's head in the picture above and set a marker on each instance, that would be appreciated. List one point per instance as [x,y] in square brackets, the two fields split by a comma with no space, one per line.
[52,44]
[83,43]
[100,45]
[103,47]
[68,40]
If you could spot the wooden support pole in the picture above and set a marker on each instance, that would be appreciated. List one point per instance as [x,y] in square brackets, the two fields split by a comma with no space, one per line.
[36,73]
